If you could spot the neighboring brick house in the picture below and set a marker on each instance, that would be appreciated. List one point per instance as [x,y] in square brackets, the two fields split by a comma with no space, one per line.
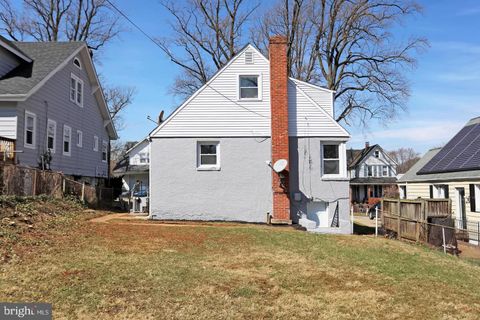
[52,107]
[212,158]
[372,172]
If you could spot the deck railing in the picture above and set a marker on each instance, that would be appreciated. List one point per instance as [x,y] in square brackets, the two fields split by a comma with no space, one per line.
[7,149]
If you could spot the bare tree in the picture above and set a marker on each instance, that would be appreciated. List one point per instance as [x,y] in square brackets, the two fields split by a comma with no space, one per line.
[206,35]
[405,158]
[60,20]
[118,98]
[91,21]
[347,46]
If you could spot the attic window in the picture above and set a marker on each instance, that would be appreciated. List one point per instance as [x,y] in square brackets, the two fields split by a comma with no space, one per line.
[77,63]
[248,57]
[377,153]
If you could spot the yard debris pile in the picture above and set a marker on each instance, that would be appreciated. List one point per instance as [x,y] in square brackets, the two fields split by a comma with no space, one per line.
[23,218]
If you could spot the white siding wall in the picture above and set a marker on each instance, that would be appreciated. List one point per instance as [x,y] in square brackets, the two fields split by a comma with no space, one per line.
[322,97]
[371,160]
[8,120]
[216,111]
[134,154]
[306,119]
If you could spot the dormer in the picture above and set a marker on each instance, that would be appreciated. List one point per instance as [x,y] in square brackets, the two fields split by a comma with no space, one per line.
[10,57]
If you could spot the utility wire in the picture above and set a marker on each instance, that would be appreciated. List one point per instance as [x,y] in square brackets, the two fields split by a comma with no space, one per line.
[135,25]
[163,50]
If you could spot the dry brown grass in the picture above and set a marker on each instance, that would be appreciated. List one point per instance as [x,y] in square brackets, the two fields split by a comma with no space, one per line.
[225,271]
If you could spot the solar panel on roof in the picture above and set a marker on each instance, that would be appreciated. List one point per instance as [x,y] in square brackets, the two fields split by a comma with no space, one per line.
[461,153]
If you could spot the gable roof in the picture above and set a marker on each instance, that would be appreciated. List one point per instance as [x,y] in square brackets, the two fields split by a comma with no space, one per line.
[327,119]
[206,85]
[461,153]
[413,176]
[47,59]
[47,56]
[359,155]
[8,45]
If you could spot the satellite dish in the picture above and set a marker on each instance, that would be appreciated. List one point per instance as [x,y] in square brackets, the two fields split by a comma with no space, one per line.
[280,165]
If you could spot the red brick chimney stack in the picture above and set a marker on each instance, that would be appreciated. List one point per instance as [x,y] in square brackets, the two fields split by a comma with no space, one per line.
[279,124]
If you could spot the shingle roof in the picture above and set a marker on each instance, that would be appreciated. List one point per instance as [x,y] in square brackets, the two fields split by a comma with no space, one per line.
[360,155]
[412,176]
[46,57]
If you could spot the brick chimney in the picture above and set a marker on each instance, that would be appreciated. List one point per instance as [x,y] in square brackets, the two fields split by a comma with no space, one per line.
[279,125]
[367,144]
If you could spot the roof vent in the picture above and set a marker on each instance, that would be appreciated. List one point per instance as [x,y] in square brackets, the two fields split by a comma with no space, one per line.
[248,57]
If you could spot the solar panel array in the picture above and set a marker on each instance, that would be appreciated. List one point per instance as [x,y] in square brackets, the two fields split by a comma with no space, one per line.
[459,154]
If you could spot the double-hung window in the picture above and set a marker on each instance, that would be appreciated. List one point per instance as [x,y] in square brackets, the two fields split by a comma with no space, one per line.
[30,130]
[385,171]
[439,191]
[144,157]
[369,171]
[67,140]
[95,143]
[249,87]
[76,90]
[333,159]
[79,139]
[104,150]
[51,134]
[208,155]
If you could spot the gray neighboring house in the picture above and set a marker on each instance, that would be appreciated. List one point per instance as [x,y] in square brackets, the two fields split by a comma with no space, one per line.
[212,158]
[51,101]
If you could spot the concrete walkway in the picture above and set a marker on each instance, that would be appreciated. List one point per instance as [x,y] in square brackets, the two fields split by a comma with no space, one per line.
[116,216]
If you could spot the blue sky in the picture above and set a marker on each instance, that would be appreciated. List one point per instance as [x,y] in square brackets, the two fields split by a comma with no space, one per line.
[445,87]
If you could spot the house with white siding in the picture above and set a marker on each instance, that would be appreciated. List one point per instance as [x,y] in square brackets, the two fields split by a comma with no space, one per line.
[372,172]
[53,108]
[214,157]
[134,169]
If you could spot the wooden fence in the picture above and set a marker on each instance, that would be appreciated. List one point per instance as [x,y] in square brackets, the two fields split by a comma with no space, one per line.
[25,181]
[409,218]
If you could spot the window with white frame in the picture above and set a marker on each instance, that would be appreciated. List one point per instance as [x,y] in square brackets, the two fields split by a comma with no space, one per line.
[79,139]
[403,192]
[104,150]
[77,63]
[208,155]
[440,191]
[385,171]
[51,134]
[95,143]
[30,129]
[67,140]
[333,160]
[76,90]
[249,87]
[377,153]
[476,199]
[144,157]
[369,171]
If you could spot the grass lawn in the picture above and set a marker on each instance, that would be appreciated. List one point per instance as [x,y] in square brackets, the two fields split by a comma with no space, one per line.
[147,270]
